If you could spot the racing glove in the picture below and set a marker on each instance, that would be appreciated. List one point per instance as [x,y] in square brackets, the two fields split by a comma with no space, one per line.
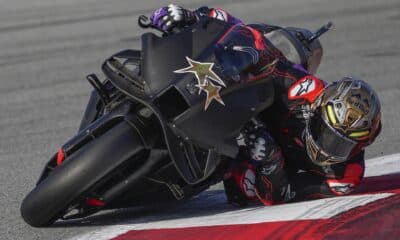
[271,183]
[239,184]
[172,16]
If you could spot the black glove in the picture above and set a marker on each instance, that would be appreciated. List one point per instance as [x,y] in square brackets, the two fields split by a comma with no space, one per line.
[239,182]
[257,140]
[233,193]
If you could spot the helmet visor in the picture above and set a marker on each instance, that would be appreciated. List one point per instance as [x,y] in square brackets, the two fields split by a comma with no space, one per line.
[327,145]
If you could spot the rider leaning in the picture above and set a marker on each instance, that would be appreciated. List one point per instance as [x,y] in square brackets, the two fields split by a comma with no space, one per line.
[310,143]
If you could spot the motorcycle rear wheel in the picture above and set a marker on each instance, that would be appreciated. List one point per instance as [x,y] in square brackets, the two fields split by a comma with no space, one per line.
[79,172]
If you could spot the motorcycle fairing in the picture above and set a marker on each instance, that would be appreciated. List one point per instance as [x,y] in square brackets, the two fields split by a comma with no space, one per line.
[195,138]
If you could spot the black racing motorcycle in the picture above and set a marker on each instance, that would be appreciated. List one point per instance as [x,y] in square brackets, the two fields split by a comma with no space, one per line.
[161,126]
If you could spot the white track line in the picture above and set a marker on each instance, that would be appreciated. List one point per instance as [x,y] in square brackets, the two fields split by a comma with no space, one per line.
[317,209]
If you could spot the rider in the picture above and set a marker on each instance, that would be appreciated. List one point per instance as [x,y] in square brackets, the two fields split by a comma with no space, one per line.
[310,143]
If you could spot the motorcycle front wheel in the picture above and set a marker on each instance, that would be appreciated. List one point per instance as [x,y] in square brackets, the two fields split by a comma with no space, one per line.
[79,172]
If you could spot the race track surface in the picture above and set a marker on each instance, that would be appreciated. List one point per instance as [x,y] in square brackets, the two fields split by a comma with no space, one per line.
[47,47]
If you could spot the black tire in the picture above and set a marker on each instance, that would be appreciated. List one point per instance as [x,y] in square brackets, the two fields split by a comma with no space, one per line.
[49,200]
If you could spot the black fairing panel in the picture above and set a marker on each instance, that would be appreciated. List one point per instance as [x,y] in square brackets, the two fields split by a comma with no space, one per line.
[162,56]
[219,125]
[196,136]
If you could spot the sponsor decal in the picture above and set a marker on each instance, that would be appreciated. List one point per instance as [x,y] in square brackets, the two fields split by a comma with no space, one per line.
[307,88]
[207,80]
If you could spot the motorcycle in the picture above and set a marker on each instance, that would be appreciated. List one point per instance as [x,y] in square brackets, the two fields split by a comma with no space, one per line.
[160,127]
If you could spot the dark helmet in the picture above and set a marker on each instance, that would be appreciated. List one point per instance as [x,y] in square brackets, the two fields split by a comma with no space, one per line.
[345,118]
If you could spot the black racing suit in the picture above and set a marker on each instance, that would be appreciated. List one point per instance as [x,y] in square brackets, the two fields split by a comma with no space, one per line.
[273,165]
[282,171]
[274,154]
[286,122]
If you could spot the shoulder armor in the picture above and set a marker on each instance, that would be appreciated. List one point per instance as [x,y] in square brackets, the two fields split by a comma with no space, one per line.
[308,88]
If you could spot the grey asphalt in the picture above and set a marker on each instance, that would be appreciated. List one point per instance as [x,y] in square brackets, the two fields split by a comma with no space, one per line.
[48,46]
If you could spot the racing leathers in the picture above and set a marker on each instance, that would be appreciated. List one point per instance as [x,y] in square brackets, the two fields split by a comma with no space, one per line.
[276,166]
[273,165]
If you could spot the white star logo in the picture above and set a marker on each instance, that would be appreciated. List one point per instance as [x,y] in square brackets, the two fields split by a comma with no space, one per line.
[305,87]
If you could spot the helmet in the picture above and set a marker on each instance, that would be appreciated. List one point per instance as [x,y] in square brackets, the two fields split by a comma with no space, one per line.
[345,118]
